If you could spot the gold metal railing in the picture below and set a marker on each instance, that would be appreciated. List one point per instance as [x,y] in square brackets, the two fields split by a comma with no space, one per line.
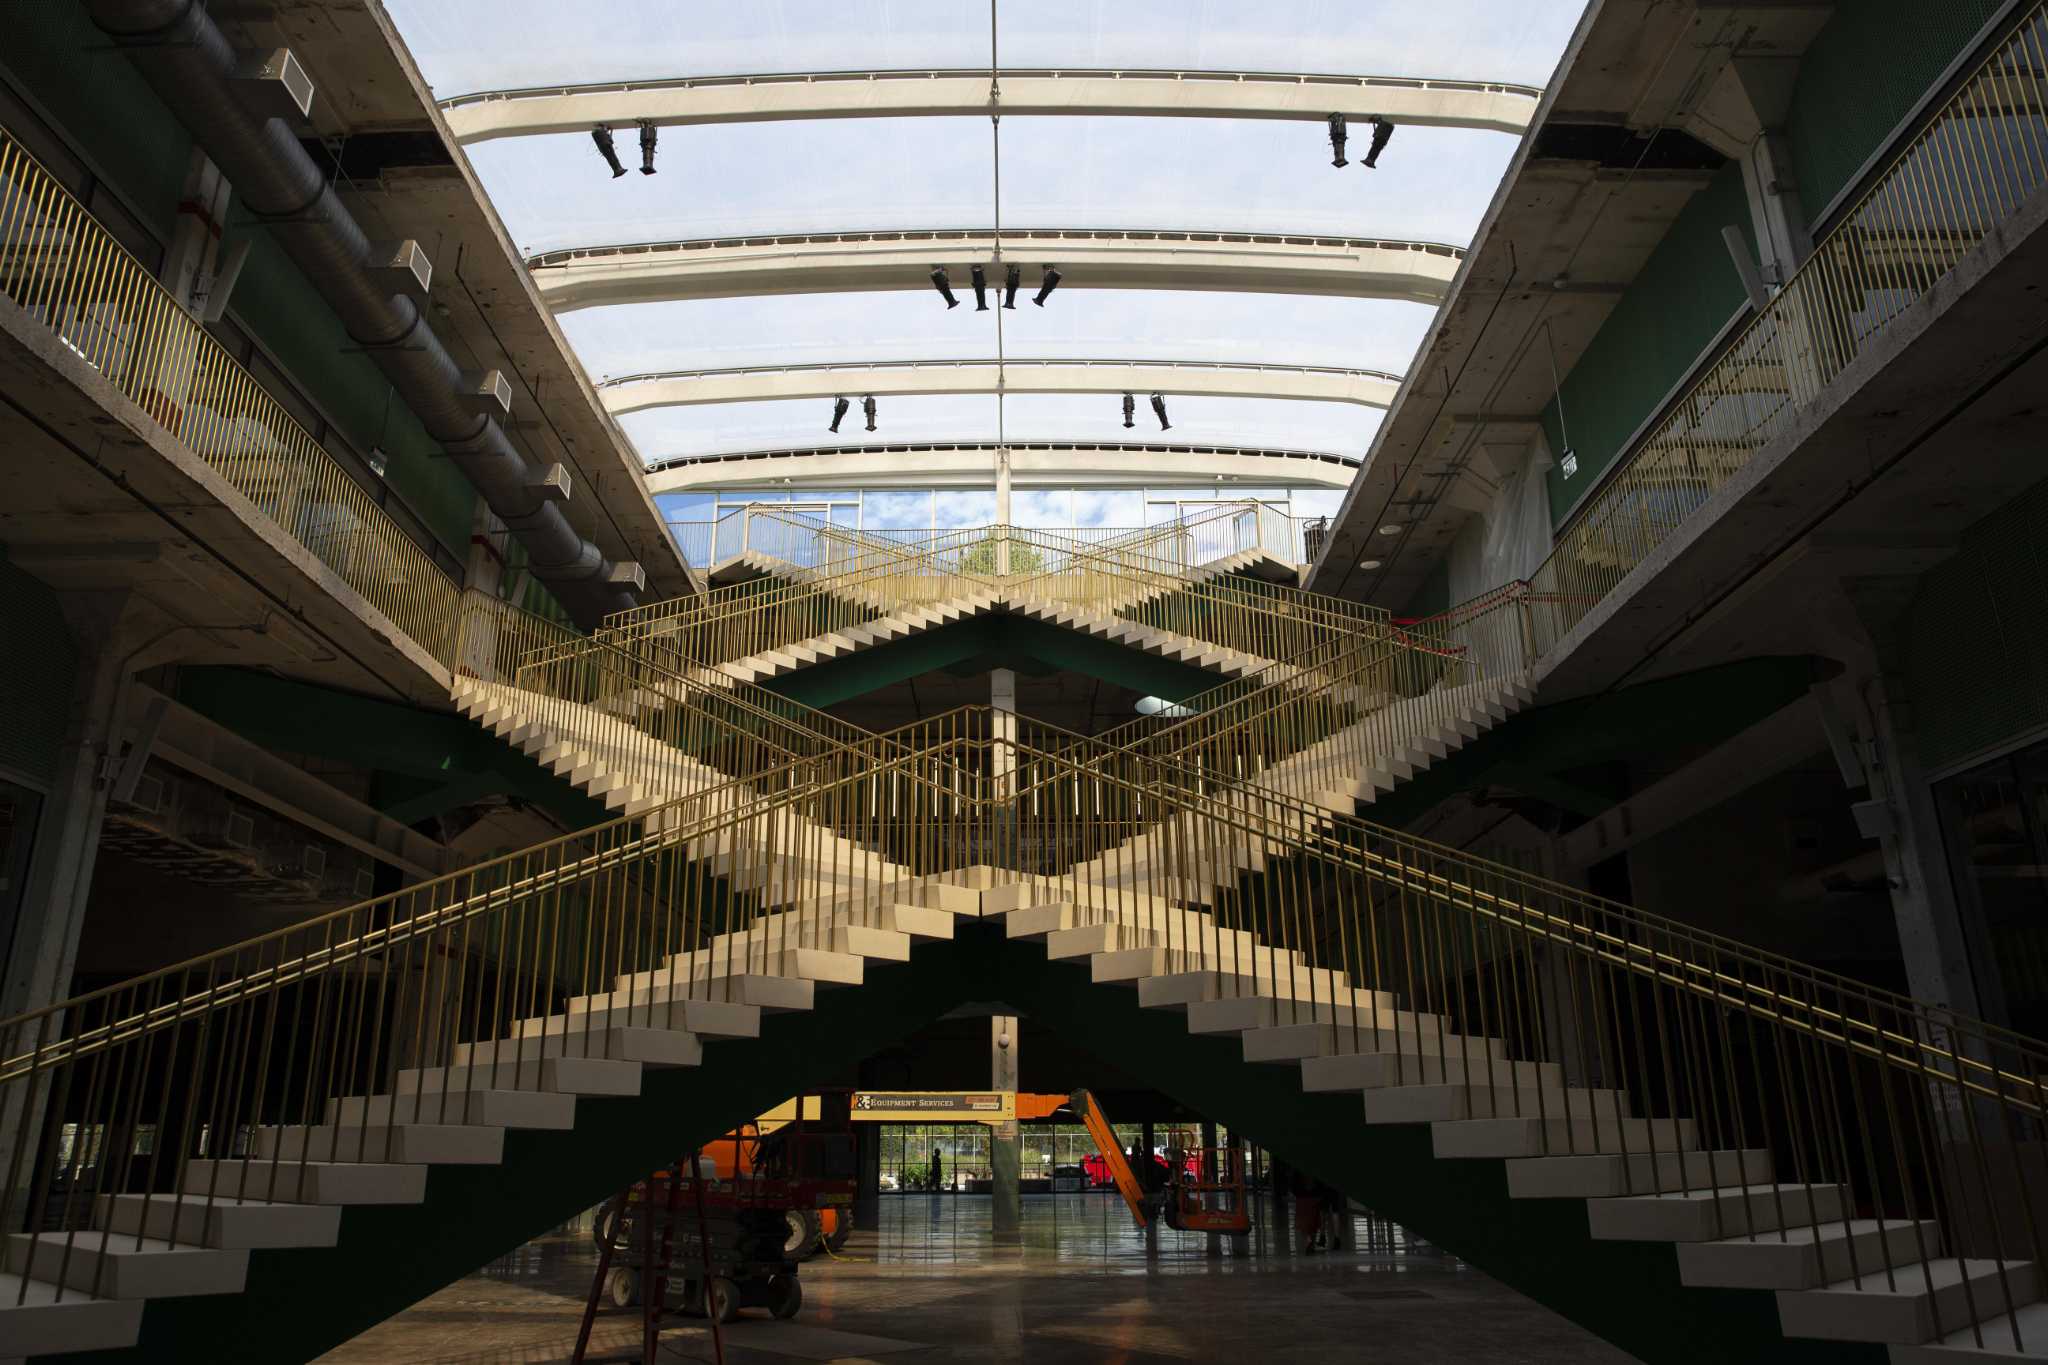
[1982,155]
[61,268]
[1616,1031]
[832,581]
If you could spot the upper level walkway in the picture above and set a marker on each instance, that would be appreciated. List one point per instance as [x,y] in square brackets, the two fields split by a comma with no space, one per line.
[488,114]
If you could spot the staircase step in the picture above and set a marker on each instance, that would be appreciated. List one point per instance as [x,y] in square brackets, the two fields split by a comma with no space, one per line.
[344,1183]
[431,1144]
[1369,1071]
[1603,1177]
[223,1224]
[821,966]
[1316,1002]
[1179,990]
[1903,1305]
[578,1036]
[1805,1257]
[1713,1214]
[35,1322]
[489,1108]
[556,1075]
[1513,1137]
[120,1265]
[1990,1342]
[1445,1103]
[718,996]
[1299,1042]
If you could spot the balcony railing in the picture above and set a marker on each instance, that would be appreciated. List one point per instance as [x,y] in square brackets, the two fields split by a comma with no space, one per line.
[1979,158]
[61,268]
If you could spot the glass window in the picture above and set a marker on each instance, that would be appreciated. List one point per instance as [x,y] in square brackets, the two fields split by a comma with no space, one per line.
[686,506]
[896,510]
[951,509]
[1109,507]
[1046,508]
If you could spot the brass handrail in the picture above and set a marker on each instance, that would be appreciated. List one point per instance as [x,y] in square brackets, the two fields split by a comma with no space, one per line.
[1980,156]
[60,267]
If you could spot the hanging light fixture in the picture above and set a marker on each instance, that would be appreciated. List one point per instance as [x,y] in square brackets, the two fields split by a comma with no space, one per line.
[1049,282]
[601,134]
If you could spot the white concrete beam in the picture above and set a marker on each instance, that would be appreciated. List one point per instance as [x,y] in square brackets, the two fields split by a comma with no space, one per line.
[1033,464]
[897,94]
[815,263]
[636,393]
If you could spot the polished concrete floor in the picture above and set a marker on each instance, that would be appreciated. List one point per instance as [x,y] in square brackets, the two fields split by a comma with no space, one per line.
[930,1284]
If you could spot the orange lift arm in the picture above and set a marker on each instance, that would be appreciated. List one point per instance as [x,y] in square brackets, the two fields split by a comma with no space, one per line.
[1112,1152]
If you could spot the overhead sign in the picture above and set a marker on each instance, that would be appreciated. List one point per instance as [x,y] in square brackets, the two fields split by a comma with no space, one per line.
[935,1106]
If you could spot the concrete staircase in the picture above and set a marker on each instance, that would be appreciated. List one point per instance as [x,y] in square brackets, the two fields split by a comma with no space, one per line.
[1732,1221]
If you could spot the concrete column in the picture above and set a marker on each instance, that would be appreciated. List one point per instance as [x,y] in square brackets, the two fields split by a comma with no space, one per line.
[1006,1146]
[1002,505]
[867,1190]
[1143,1168]
[1214,1239]
[115,639]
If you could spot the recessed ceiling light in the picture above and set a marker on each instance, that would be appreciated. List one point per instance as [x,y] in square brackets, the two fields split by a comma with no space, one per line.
[1368,563]
[1392,528]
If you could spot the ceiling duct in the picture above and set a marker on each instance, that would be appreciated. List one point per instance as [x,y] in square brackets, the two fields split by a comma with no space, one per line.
[231,102]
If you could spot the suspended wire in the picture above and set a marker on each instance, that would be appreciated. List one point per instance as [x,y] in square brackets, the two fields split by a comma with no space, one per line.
[998,276]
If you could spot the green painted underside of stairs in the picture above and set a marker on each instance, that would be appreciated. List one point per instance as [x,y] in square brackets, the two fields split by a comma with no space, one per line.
[1669,719]
[300,1303]
[433,761]
[999,641]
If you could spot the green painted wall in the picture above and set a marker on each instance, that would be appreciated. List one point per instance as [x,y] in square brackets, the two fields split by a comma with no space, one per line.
[279,306]
[38,669]
[1977,635]
[1687,291]
[1862,75]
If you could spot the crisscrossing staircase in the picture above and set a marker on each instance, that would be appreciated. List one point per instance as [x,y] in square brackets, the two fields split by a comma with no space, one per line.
[1794,1158]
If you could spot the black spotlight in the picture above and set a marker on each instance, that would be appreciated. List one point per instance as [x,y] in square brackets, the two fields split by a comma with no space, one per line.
[602,136]
[1013,277]
[839,407]
[1159,411]
[1130,407]
[980,289]
[1337,136]
[944,285]
[1046,285]
[867,410]
[1382,133]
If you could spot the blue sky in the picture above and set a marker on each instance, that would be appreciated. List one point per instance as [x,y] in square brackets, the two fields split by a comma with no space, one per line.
[826,175]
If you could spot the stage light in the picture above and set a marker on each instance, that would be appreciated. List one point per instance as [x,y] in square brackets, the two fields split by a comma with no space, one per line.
[1159,411]
[839,407]
[1338,133]
[1382,133]
[647,136]
[1013,277]
[1046,285]
[980,278]
[867,410]
[1130,407]
[944,285]
[601,134]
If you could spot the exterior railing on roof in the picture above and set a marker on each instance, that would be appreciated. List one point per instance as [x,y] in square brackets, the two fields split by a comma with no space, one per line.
[1981,156]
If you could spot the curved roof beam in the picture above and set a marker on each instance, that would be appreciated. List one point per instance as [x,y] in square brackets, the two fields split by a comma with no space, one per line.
[768,383]
[1111,258]
[896,94]
[1067,464]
